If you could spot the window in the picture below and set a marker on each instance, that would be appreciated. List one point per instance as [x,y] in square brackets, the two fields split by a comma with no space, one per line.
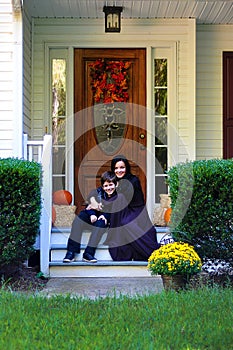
[59,119]
[160,96]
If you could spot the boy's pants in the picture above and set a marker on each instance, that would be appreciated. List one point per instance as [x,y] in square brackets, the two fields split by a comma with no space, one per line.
[82,222]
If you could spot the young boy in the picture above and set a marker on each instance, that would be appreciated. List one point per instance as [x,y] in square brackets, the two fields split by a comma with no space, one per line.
[94,220]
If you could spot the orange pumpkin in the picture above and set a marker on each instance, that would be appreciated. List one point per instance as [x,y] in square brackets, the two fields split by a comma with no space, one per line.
[167,215]
[54,214]
[62,197]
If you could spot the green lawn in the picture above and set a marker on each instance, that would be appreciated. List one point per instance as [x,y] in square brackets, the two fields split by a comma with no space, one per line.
[193,319]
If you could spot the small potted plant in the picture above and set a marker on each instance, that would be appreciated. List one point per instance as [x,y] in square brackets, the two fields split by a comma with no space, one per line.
[175,262]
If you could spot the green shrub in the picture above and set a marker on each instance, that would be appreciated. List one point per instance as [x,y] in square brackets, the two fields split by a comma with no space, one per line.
[202,202]
[20,208]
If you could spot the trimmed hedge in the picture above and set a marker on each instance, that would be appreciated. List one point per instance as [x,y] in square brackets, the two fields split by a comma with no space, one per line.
[202,206]
[20,208]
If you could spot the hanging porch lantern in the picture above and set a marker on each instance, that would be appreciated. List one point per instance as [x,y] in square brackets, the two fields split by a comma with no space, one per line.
[112,18]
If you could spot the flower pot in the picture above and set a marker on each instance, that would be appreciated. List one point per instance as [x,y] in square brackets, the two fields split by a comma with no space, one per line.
[175,282]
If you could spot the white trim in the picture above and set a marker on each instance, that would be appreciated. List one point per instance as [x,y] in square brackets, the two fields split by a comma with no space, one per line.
[47,83]
[53,51]
[32,76]
[173,132]
[150,159]
[18,85]
[46,195]
[170,53]
[70,121]
[192,86]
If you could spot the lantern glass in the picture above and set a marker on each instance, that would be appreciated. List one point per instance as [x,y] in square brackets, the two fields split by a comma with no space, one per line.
[112,19]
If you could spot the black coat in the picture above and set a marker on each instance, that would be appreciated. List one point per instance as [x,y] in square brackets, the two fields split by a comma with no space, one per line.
[131,234]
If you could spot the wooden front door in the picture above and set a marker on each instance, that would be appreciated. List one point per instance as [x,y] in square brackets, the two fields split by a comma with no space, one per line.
[103,130]
[227,105]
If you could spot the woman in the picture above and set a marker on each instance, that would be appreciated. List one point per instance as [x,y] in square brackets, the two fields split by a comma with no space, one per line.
[131,234]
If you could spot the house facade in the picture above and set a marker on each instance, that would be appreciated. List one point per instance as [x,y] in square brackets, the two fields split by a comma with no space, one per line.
[184,113]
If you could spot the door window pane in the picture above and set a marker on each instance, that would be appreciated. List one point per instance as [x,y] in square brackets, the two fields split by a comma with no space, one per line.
[160,101]
[160,160]
[160,72]
[161,131]
[160,187]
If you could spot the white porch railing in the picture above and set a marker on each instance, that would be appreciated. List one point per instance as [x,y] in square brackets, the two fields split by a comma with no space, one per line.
[41,151]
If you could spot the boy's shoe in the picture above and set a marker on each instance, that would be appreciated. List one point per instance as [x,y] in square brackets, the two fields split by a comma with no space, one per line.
[89,258]
[69,257]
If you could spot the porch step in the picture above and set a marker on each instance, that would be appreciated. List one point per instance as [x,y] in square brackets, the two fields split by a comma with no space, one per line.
[58,252]
[60,235]
[105,266]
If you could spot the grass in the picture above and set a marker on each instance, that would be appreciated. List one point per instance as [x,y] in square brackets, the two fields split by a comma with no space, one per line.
[188,320]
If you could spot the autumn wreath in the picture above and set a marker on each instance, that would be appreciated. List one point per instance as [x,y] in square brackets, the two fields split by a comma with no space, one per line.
[110,81]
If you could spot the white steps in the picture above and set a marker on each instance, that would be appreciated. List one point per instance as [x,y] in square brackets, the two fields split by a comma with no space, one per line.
[58,252]
[105,267]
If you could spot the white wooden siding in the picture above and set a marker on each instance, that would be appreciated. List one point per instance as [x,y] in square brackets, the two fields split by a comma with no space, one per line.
[212,40]
[10,81]
[6,79]
[38,105]
[27,81]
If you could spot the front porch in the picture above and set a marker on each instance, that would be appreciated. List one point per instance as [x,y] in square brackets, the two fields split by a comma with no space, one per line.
[53,240]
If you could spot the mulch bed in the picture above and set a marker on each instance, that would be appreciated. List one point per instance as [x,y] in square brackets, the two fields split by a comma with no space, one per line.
[20,278]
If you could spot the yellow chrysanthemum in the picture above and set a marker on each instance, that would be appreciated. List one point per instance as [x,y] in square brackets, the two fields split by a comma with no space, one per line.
[174,258]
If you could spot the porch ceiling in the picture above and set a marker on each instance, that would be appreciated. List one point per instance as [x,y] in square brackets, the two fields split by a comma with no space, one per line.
[205,11]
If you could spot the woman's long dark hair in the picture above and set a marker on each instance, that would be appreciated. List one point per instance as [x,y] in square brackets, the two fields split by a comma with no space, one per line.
[121,158]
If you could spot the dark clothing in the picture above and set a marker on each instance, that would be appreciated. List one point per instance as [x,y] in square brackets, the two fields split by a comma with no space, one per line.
[82,222]
[131,235]
[101,197]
